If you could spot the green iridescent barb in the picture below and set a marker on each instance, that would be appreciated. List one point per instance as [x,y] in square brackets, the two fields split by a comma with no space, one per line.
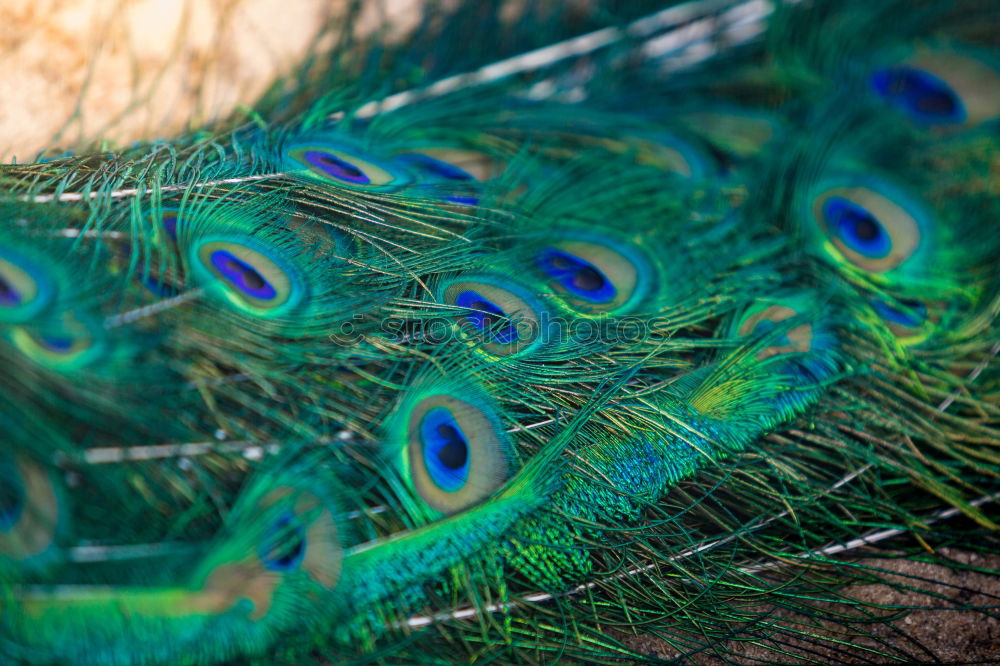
[515,365]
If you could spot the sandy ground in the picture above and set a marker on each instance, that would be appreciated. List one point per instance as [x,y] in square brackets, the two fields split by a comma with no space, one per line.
[75,71]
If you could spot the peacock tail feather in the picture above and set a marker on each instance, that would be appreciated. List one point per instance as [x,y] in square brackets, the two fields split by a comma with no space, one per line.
[535,336]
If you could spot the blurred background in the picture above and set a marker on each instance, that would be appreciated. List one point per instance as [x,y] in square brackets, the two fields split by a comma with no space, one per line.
[78,71]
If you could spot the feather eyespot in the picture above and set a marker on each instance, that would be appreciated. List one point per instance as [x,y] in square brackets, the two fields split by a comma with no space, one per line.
[906,318]
[343,164]
[671,153]
[911,314]
[335,166]
[285,532]
[875,227]
[25,289]
[596,275]
[56,343]
[922,96]
[9,296]
[31,512]
[501,316]
[856,228]
[68,342]
[458,165]
[733,133]
[487,318]
[242,275]
[12,497]
[760,321]
[164,222]
[300,533]
[284,546]
[169,220]
[942,87]
[439,170]
[455,451]
[446,449]
[576,275]
[246,275]
[158,286]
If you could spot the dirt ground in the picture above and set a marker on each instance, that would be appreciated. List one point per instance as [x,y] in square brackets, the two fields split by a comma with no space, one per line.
[941,634]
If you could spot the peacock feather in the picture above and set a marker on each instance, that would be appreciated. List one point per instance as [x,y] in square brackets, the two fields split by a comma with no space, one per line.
[584,334]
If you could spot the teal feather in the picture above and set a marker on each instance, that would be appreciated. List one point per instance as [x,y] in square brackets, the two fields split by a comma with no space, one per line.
[412,369]
[35,517]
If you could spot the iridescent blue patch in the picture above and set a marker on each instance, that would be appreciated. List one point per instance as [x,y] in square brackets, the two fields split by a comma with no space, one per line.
[465,201]
[56,343]
[436,167]
[12,498]
[169,221]
[923,97]
[335,167]
[487,316]
[242,275]
[9,296]
[914,315]
[446,449]
[577,276]
[858,229]
[439,169]
[158,287]
[284,545]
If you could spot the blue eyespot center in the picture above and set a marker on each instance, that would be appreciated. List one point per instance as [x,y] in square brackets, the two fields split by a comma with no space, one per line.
[446,449]
[9,297]
[922,96]
[439,168]
[284,545]
[858,229]
[56,343]
[488,318]
[242,275]
[12,498]
[913,314]
[335,167]
[577,276]
[169,221]
[465,201]
[158,286]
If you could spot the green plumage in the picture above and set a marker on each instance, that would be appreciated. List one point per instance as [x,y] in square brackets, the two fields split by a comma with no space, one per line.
[512,370]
